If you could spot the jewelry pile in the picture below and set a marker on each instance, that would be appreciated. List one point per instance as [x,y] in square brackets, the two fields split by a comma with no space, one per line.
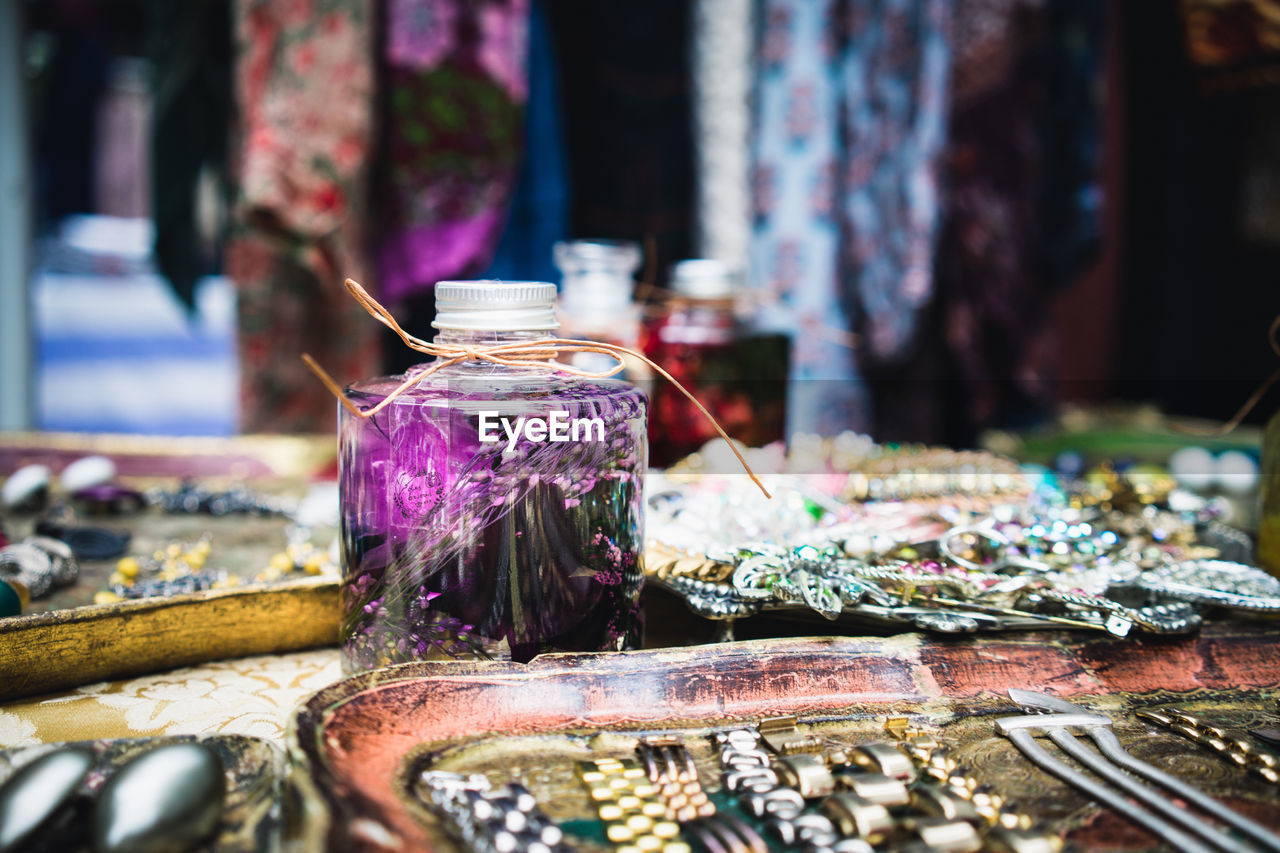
[779,789]
[973,545]
[180,568]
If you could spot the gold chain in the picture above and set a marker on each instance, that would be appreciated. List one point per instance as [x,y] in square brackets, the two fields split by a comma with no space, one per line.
[630,806]
[1231,745]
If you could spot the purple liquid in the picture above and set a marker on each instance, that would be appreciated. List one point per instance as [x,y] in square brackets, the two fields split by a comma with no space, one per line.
[453,547]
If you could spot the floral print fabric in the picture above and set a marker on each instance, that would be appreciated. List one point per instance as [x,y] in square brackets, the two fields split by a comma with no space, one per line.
[305,86]
[457,85]
[850,122]
[252,696]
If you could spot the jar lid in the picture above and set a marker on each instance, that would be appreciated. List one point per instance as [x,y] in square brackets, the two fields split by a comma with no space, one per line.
[574,257]
[499,306]
[703,278]
[598,281]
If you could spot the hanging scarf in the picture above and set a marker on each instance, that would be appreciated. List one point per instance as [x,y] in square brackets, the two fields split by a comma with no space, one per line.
[457,85]
[304,86]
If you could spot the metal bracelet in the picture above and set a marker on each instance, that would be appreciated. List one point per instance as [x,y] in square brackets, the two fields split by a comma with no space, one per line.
[826,799]
[632,808]
[671,767]
[487,819]
[1231,745]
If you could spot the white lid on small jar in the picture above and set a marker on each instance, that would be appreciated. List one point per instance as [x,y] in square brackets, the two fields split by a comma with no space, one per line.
[497,306]
[703,278]
[599,283]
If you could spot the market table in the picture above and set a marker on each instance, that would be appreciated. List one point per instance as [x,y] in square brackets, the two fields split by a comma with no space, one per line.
[177,669]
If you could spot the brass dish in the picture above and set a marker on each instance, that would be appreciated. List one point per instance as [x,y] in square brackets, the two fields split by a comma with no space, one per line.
[60,649]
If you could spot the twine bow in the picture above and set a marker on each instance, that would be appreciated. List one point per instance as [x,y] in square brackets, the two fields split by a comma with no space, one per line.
[540,353]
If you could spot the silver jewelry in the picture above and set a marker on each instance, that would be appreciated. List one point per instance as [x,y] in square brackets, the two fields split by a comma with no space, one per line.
[63,563]
[491,820]
[29,566]
[39,563]
[1214,582]
[911,795]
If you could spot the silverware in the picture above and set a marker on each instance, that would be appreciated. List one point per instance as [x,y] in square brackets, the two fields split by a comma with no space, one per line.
[1021,731]
[1114,759]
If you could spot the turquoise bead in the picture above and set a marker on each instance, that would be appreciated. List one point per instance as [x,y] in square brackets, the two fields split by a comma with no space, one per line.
[10,603]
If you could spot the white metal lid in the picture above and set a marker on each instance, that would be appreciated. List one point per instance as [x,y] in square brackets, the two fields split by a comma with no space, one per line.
[499,306]
[575,256]
[703,278]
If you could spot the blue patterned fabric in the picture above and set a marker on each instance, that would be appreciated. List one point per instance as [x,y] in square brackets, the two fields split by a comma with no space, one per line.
[850,121]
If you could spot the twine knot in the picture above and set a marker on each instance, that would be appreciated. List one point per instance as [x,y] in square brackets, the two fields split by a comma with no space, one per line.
[541,353]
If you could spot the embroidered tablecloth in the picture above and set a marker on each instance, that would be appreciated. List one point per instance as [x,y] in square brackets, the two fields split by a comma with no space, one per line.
[250,696]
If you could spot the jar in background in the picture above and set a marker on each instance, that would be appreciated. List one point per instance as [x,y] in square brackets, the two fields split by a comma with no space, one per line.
[596,303]
[738,372]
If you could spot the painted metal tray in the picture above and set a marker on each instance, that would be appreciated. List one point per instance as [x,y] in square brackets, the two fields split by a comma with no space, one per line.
[60,649]
[357,745]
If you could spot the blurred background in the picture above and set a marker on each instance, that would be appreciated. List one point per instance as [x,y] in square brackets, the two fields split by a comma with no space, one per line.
[965,214]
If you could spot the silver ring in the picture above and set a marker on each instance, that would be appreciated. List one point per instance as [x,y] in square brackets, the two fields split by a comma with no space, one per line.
[944,543]
[28,565]
[65,568]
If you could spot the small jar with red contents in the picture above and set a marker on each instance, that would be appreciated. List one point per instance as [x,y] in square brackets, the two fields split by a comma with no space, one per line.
[738,372]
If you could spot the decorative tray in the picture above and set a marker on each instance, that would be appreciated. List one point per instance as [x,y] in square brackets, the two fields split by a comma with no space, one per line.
[359,746]
[61,649]
[65,639]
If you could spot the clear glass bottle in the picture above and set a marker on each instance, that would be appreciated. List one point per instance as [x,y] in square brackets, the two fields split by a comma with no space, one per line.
[597,290]
[597,302]
[468,532]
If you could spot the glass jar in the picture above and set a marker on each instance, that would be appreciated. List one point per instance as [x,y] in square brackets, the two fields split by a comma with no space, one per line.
[597,290]
[739,373]
[491,510]
[597,303]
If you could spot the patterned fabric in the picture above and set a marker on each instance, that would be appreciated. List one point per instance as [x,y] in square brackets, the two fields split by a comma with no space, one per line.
[189,45]
[851,115]
[995,270]
[539,211]
[252,696]
[456,89]
[305,88]
[723,37]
